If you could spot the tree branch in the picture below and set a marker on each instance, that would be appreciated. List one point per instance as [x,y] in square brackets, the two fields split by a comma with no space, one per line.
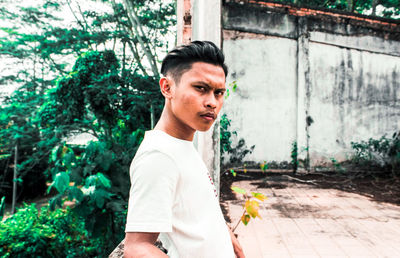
[73,13]
[78,21]
[139,34]
[137,57]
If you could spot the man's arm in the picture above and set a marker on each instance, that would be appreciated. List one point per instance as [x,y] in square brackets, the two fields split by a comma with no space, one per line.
[141,244]
[237,248]
[150,203]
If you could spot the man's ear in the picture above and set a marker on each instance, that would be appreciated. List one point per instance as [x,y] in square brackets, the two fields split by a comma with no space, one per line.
[165,87]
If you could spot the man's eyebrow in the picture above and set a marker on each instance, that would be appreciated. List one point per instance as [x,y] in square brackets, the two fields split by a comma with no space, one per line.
[208,86]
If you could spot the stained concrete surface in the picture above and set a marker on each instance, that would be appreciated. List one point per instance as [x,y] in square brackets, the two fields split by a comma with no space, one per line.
[301,220]
[292,68]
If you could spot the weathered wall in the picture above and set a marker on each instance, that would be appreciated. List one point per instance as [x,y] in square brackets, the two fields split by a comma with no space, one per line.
[321,79]
[355,95]
[263,108]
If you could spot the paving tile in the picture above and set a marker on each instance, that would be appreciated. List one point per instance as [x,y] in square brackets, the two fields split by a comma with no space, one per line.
[304,221]
[246,234]
[296,242]
[270,238]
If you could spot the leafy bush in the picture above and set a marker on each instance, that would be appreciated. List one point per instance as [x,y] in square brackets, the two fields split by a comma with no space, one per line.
[18,128]
[95,98]
[97,180]
[45,233]
[107,94]
[236,153]
[2,207]
[225,135]
[384,152]
[294,156]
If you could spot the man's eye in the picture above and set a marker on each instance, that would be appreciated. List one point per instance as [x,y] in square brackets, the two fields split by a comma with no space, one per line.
[200,88]
[219,93]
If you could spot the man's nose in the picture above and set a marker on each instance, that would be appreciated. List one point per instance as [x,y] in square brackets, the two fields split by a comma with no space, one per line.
[211,101]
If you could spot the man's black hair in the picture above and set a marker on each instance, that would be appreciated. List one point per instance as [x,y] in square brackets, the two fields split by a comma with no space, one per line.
[180,59]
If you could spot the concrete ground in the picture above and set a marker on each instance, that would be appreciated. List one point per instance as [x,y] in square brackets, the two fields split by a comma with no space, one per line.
[301,220]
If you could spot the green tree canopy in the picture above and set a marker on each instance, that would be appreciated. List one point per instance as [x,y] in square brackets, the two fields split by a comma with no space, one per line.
[40,42]
[381,8]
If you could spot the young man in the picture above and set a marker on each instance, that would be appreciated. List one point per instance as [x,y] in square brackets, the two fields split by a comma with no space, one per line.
[172,194]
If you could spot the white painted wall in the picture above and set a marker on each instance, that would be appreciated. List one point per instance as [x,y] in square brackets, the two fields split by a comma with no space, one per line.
[263,108]
[346,78]
[354,96]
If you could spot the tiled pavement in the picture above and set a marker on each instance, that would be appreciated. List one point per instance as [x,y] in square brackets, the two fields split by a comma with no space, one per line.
[301,220]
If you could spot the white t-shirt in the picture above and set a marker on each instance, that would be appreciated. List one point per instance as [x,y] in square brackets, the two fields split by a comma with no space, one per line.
[172,193]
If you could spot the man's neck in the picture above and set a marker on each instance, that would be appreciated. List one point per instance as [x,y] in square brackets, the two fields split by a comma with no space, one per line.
[171,126]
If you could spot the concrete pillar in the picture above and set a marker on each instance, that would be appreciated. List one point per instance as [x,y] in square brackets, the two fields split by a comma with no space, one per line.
[303,91]
[184,21]
[201,20]
[206,25]
[206,20]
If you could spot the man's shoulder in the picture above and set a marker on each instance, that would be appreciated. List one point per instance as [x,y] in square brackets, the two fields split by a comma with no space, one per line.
[150,154]
[157,141]
[152,151]
[151,146]
[151,164]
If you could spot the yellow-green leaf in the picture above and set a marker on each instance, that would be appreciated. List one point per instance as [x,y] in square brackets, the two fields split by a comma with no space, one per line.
[252,208]
[245,219]
[64,151]
[238,190]
[259,196]
[263,166]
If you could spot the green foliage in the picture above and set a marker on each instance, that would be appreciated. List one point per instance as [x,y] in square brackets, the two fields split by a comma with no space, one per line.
[232,85]
[17,128]
[233,172]
[238,190]
[41,46]
[294,156]
[96,178]
[236,153]
[2,207]
[225,136]
[45,233]
[337,166]
[264,166]
[106,93]
[391,8]
[295,161]
[98,98]
[384,152]
[250,207]
[95,98]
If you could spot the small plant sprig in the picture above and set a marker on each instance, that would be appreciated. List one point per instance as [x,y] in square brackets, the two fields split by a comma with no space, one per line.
[264,166]
[250,207]
[232,85]
[338,167]
[294,155]
[233,172]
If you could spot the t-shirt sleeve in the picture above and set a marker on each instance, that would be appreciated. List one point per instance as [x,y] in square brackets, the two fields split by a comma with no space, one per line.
[154,177]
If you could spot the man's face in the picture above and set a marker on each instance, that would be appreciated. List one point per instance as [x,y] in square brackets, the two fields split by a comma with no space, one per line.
[198,97]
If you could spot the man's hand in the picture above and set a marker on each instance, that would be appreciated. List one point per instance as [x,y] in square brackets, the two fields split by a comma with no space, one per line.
[237,248]
[140,244]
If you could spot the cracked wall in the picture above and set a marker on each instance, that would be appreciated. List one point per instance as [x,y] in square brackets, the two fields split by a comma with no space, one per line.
[341,74]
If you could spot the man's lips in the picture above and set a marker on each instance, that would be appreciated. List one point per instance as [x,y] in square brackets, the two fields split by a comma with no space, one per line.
[209,116]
